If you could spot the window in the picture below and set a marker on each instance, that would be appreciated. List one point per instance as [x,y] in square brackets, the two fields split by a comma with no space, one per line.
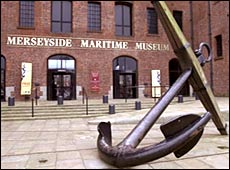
[178,17]
[152,21]
[123,19]
[219,51]
[26,16]
[61,62]
[94,16]
[61,17]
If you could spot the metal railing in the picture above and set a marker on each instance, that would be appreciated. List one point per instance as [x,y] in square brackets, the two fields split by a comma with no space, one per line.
[85,97]
[145,87]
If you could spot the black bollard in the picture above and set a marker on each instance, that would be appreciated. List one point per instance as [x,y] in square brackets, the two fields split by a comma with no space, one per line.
[180,98]
[111,109]
[105,99]
[138,105]
[60,100]
[10,101]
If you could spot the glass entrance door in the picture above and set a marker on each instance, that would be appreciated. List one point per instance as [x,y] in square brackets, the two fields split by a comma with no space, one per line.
[62,86]
[125,85]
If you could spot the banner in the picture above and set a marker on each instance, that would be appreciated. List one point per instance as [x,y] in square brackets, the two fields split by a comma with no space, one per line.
[156,80]
[26,81]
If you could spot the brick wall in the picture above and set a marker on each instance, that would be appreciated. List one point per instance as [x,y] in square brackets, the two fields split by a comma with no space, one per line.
[89,60]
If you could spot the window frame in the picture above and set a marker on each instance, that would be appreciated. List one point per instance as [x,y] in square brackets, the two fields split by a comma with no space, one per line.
[151,28]
[123,24]
[94,23]
[178,16]
[26,14]
[61,21]
[219,49]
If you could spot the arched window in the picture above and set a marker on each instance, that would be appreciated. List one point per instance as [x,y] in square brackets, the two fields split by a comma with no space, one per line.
[125,64]
[61,62]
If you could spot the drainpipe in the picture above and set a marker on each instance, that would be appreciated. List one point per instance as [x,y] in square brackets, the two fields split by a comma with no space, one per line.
[191,33]
[210,43]
[191,24]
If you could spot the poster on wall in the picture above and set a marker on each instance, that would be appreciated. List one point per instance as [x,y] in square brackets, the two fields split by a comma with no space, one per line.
[26,78]
[156,82]
[95,81]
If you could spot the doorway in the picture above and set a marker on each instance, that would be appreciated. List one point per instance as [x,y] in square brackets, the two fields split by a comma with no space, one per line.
[61,78]
[125,78]
[62,86]
[174,72]
[125,85]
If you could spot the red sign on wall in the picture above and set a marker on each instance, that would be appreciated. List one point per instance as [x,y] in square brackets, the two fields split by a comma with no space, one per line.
[95,81]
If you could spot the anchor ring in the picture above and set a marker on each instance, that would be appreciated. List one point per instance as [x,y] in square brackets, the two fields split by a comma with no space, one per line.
[200,56]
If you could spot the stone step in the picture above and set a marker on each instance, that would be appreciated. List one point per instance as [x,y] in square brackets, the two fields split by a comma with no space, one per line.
[64,111]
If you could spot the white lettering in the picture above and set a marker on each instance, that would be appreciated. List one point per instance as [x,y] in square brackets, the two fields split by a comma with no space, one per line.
[98,44]
[39,42]
[151,46]
[91,44]
[68,43]
[125,45]
[84,43]
[19,40]
[138,46]
[51,42]
[26,41]
[46,40]
[33,40]
[11,40]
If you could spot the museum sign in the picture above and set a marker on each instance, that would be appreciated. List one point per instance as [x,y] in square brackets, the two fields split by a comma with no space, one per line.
[81,43]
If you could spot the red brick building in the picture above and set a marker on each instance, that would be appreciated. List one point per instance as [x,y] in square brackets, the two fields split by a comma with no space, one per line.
[105,47]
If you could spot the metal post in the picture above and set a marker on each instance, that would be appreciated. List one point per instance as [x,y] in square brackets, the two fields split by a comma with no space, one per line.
[32,107]
[36,96]
[87,106]
[111,109]
[138,105]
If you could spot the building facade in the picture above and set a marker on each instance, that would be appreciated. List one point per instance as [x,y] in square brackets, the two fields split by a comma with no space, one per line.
[119,49]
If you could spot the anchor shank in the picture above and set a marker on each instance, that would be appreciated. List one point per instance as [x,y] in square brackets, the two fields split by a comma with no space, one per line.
[141,129]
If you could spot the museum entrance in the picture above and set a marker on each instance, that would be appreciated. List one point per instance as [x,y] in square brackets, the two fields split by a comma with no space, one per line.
[174,72]
[62,86]
[124,78]
[61,78]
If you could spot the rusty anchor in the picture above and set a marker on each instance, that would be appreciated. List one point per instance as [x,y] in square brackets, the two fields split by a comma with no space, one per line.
[182,133]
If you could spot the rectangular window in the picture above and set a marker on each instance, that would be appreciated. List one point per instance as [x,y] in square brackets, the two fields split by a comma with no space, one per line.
[152,21]
[123,19]
[26,16]
[94,16]
[61,19]
[219,51]
[178,17]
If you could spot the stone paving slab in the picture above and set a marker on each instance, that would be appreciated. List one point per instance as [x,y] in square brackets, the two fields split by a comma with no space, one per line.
[71,143]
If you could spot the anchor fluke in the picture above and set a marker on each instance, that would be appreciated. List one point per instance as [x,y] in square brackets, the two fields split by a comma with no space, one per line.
[171,128]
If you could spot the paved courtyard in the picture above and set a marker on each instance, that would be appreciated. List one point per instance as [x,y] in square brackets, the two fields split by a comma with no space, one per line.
[71,143]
